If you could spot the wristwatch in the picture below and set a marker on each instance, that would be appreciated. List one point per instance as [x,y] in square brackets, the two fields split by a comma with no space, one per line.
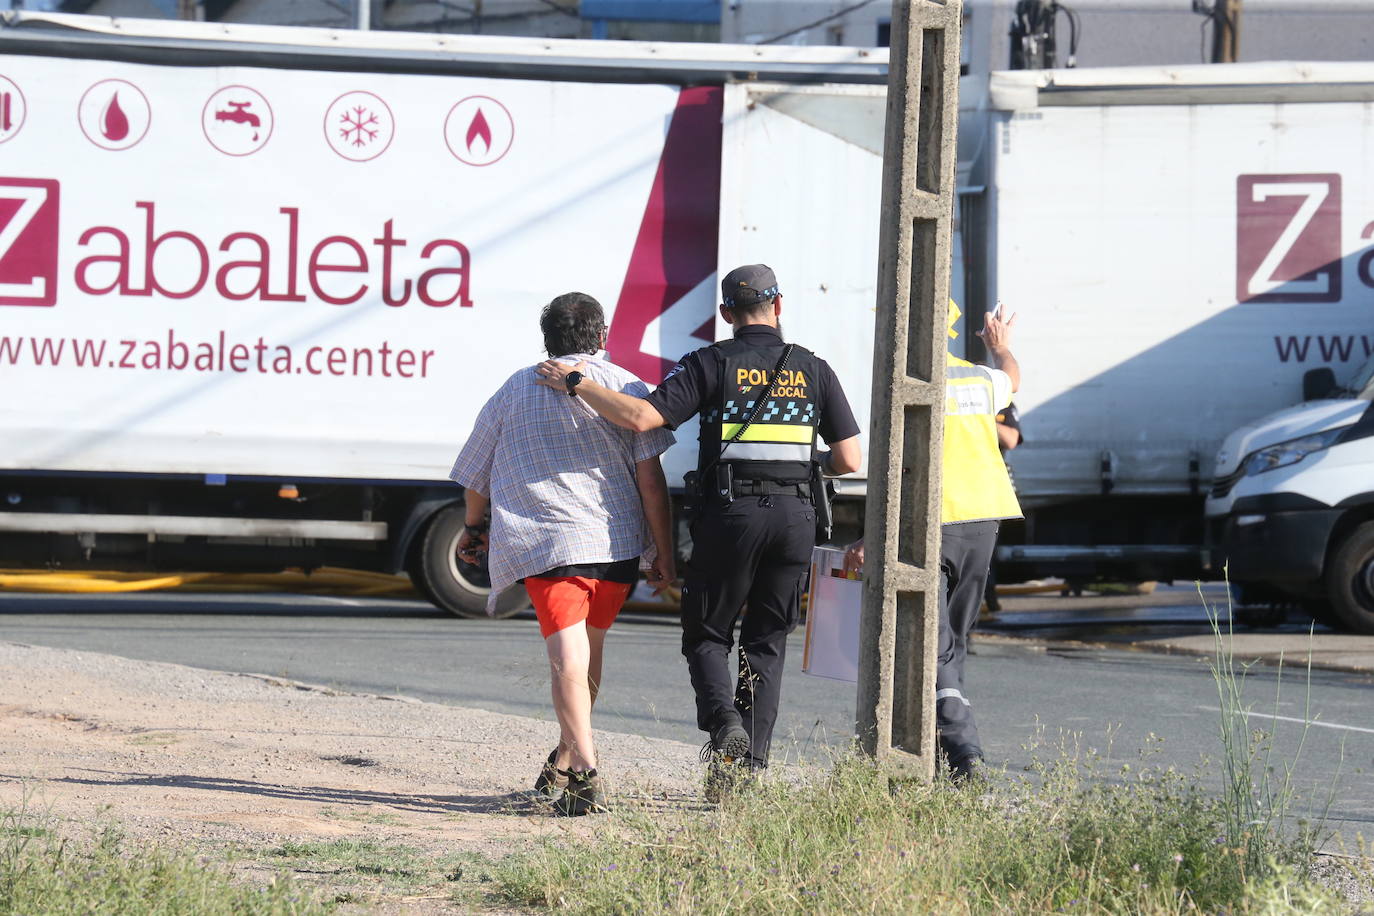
[572,380]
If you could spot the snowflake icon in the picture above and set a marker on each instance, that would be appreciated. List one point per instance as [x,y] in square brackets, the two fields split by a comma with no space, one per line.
[359,126]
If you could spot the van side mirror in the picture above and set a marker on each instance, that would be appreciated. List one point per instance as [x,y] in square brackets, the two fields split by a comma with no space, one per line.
[1318,383]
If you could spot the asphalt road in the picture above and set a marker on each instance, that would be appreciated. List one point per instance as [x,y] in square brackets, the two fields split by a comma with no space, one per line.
[1116,702]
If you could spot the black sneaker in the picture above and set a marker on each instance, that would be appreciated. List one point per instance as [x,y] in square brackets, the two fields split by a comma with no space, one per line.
[550,781]
[584,794]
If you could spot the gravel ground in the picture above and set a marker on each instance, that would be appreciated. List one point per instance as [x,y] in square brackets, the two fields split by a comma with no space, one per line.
[222,763]
[215,761]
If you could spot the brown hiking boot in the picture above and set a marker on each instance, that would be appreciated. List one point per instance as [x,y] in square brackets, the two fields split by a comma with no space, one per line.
[550,782]
[584,794]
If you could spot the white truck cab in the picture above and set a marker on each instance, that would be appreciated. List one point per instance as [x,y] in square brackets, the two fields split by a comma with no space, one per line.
[1291,509]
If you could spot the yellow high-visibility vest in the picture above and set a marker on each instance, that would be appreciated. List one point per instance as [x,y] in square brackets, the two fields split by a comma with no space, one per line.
[976,485]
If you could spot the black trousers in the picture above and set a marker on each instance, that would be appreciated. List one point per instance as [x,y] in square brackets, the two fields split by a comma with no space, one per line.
[753,551]
[965,555]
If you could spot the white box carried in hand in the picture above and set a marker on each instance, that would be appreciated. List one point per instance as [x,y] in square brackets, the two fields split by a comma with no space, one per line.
[832,618]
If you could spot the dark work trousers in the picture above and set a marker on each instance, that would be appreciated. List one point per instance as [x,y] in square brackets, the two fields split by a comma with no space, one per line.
[965,553]
[755,551]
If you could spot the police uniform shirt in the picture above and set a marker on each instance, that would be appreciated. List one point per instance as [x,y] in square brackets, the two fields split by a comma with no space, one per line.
[694,384]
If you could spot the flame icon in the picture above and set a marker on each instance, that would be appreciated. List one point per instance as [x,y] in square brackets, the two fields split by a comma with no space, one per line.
[479,129]
[114,123]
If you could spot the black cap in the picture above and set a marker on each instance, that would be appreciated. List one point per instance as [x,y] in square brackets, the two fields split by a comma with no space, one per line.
[748,285]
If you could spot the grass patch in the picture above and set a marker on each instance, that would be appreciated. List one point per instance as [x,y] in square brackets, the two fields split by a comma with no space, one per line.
[42,874]
[386,867]
[161,739]
[1065,837]
[1074,834]
[361,817]
[360,857]
[361,871]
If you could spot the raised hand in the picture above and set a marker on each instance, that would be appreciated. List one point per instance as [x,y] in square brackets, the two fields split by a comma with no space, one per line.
[996,332]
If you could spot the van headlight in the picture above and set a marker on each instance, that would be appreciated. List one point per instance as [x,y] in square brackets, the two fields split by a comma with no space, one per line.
[1290,452]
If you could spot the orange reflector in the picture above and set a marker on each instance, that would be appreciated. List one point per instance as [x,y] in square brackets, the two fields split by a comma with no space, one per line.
[288,491]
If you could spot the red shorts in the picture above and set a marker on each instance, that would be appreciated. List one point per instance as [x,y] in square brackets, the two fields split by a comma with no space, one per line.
[561,601]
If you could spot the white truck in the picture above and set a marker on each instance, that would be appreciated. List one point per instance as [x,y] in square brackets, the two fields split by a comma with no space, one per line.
[1181,245]
[255,282]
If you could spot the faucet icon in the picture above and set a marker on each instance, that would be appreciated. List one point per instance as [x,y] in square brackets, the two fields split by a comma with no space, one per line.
[239,112]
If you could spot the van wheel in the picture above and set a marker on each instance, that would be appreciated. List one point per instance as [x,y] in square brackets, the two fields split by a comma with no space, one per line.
[457,587]
[1350,580]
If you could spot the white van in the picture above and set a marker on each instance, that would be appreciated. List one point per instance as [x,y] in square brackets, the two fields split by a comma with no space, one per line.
[1291,510]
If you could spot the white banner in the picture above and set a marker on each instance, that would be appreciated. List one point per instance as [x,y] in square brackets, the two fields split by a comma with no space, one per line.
[252,271]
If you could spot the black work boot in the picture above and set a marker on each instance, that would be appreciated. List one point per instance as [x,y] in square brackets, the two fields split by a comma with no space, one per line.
[726,757]
[729,741]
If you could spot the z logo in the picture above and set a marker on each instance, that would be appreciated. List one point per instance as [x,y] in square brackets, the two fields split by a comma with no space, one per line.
[28,241]
[1288,238]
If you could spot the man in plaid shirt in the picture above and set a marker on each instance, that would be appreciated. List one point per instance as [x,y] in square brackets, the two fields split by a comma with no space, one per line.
[576,504]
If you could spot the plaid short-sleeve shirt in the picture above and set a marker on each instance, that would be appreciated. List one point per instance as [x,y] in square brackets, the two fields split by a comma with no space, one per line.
[561,479]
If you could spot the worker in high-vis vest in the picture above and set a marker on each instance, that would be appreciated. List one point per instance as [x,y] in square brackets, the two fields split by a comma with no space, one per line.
[977,495]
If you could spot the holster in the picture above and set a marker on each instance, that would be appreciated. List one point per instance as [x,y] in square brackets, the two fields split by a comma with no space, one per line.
[691,495]
[821,491]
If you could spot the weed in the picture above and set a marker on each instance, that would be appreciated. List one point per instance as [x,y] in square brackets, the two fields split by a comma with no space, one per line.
[1258,797]
[45,875]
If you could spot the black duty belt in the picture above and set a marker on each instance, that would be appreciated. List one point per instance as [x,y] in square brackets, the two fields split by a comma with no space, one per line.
[770,488]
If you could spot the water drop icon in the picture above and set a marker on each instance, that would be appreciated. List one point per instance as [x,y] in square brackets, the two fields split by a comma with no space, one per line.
[114,123]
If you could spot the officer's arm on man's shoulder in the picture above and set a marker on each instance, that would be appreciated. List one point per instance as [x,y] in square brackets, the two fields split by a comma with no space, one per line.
[624,410]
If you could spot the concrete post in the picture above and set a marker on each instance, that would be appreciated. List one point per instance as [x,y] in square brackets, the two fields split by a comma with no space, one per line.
[898,629]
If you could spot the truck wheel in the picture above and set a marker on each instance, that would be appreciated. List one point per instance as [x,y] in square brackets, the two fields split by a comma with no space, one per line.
[457,587]
[1350,580]
[1260,617]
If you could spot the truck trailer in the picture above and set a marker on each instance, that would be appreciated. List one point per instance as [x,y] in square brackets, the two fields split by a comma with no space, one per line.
[255,282]
[1181,245]
[253,306]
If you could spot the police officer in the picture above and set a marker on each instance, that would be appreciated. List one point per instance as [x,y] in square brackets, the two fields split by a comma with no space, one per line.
[753,534]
